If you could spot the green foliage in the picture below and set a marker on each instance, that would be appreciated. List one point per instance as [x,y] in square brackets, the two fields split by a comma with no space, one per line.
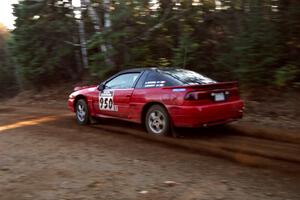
[185,53]
[286,75]
[254,41]
[43,41]
[144,37]
[257,52]
[7,72]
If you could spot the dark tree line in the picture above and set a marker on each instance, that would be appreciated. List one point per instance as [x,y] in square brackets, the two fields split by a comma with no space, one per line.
[7,76]
[254,41]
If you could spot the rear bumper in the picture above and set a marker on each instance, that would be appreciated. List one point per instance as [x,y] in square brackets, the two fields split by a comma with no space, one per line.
[206,115]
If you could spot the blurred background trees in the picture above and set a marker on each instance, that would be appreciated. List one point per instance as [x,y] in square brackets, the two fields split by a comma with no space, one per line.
[44,41]
[254,41]
[7,70]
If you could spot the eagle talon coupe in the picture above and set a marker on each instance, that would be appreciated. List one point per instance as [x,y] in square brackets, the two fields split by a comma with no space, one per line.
[159,98]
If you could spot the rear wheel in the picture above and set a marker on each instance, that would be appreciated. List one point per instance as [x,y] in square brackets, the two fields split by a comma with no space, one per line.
[157,121]
[82,112]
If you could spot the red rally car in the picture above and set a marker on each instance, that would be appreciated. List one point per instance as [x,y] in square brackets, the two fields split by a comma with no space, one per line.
[159,98]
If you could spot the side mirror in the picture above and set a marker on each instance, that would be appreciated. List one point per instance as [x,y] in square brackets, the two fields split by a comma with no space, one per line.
[101,87]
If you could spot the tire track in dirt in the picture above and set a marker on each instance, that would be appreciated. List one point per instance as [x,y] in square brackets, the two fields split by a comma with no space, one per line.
[218,142]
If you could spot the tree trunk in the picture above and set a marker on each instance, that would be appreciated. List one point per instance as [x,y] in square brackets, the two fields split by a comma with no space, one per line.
[107,21]
[82,39]
[97,25]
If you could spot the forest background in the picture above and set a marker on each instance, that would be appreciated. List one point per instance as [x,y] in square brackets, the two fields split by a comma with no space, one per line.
[256,42]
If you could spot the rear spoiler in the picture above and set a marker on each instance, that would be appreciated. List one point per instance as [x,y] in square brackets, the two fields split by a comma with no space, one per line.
[218,85]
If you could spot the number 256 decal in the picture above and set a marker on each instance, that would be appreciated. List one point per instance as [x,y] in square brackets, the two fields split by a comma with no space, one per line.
[106,101]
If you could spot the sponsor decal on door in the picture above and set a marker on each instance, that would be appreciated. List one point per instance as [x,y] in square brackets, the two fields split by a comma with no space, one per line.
[106,101]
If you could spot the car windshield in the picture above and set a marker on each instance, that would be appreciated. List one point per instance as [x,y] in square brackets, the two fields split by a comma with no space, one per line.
[187,77]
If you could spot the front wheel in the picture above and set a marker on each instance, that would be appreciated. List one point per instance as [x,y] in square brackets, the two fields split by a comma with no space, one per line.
[157,121]
[82,112]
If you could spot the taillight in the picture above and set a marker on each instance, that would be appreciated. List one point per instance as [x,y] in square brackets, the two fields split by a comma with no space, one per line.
[191,96]
[207,95]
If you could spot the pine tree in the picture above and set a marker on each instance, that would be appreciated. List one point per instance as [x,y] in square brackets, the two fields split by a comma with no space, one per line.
[8,82]
[44,41]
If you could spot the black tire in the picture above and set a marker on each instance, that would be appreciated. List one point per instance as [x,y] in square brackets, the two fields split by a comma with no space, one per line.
[82,112]
[157,121]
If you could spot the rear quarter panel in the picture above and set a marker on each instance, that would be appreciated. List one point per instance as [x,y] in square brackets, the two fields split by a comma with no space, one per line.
[182,112]
[142,97]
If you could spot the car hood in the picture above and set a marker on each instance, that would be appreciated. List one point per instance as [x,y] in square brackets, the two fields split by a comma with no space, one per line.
[77,88]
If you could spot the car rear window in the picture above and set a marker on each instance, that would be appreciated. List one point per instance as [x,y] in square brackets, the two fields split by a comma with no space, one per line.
[187,77]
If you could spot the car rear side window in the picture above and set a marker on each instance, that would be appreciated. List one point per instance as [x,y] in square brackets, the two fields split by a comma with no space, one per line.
[155,79]
[122,81]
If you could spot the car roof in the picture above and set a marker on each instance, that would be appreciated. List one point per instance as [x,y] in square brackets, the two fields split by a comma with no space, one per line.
[146,69]
[137,70]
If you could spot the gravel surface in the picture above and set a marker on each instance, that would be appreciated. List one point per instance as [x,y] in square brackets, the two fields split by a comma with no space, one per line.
[50,158]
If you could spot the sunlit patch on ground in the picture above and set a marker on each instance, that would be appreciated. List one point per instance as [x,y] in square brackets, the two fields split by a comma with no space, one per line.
[28,123]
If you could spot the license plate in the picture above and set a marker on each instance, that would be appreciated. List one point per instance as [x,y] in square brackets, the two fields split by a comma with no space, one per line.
[219,96]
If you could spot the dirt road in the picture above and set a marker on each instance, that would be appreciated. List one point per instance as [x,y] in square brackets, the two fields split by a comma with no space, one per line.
[44,154]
